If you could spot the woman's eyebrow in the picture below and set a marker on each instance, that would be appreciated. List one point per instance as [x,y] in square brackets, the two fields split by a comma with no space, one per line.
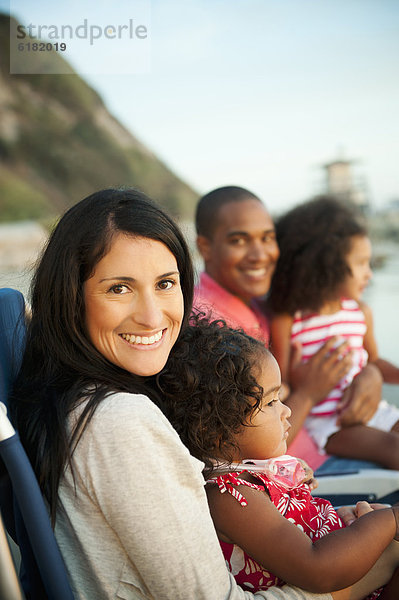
[168,274]
[132,279]
[118,278]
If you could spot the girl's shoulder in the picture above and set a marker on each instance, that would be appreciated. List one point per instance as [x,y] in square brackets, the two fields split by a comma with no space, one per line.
[365,308]
[358,309]
[231,482]
[350,304]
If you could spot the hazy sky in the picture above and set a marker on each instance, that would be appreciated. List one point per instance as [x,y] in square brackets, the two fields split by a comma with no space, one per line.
[258,93]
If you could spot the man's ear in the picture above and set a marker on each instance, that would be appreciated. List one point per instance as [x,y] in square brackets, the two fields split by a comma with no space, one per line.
[204,247]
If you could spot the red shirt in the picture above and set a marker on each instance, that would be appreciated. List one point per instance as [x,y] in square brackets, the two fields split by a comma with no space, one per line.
[218,303]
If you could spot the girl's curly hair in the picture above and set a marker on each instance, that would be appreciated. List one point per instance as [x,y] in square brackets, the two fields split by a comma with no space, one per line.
[314,239]
[210,388]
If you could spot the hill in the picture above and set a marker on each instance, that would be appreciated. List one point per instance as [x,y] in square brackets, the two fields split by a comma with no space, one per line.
[59,143]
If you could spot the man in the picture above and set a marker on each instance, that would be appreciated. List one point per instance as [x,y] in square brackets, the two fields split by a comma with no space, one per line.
[236,239]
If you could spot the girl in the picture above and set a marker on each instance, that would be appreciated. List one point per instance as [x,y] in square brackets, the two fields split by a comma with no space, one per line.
[269,533]
[323,269]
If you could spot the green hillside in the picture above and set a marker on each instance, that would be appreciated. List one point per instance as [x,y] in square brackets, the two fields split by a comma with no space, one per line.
[58,143]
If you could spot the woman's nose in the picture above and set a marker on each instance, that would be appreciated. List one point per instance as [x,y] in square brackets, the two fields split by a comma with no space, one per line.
[147,311]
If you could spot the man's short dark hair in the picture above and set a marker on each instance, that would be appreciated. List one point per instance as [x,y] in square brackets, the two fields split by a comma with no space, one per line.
[208,207]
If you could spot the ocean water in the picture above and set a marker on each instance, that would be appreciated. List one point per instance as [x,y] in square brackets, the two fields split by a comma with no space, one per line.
[382,295]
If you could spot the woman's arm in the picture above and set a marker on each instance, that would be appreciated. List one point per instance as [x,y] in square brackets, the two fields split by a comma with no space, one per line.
[151,493]
[335,561]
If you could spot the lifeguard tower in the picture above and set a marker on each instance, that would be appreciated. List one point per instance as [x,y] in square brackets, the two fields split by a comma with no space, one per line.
[340,183]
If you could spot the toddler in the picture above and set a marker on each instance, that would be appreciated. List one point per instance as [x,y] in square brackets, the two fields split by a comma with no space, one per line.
[316,291]
[222,396]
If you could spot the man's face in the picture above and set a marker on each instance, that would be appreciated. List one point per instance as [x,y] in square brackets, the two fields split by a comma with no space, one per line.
[242,253]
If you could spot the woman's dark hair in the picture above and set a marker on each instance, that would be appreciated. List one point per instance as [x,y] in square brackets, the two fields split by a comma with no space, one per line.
[211,389]
[314,240]
[60,364]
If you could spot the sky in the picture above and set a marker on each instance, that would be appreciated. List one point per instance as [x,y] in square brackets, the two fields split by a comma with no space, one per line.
[257,93]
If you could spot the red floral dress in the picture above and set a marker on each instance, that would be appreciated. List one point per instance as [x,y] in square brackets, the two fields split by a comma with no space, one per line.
[314,516]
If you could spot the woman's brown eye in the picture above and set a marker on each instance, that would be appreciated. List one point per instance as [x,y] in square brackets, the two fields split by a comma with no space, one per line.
[119,288]
[166,284]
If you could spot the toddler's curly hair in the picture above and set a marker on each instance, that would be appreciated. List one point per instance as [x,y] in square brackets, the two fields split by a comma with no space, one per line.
[211,389]
[314,239]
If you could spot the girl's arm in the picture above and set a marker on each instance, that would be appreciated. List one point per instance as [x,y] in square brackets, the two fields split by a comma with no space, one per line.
[335,561]
[389,371]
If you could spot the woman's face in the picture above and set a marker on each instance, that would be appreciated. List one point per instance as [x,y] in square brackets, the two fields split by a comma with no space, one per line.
[134,304]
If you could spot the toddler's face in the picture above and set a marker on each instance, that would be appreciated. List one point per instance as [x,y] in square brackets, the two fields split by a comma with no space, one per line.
[267,431]
[358,260]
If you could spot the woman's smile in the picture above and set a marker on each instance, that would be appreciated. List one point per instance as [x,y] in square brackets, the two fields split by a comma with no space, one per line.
[142,340]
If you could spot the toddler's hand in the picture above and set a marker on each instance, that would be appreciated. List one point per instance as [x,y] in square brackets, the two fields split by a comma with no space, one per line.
[309,475]
[349,514]
[362,508]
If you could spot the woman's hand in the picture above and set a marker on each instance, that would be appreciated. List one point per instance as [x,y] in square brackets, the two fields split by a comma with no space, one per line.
[313,380]
[318,376]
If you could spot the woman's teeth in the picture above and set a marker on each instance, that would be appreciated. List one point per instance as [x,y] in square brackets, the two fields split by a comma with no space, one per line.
[142,339]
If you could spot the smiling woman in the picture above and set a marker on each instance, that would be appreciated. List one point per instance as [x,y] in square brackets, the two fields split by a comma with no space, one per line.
[110,299]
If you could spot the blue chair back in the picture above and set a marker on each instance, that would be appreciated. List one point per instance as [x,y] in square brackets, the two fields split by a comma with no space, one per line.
[12,338]
[43,574]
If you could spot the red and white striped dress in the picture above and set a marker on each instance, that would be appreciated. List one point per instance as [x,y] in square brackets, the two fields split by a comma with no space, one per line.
[312,330]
